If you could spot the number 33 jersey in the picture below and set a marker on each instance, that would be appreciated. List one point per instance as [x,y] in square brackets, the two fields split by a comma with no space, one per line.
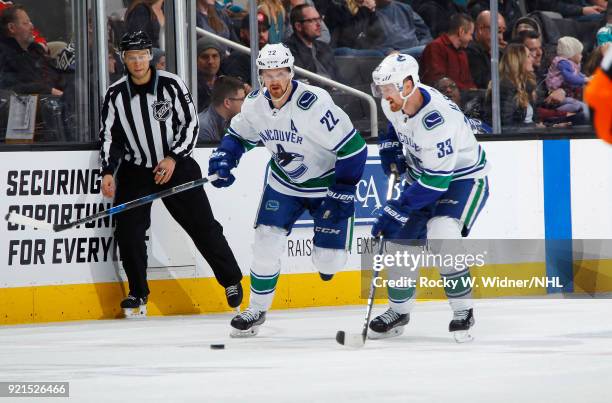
[438,141]
[306,137]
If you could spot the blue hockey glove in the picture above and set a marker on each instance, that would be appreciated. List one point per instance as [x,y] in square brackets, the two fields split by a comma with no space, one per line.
[339,203]
[391,220]
[221,162]
[391,156]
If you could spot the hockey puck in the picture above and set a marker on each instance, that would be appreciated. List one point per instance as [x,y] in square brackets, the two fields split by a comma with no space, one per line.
[217,346]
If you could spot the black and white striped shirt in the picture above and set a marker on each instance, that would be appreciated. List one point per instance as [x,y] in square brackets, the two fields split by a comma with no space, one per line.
[144,124]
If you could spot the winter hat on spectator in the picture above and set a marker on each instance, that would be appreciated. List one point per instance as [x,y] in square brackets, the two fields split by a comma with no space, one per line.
[205,43]
[569,46]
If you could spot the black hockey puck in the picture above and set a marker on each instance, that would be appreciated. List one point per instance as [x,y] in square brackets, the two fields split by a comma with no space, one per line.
[217,346]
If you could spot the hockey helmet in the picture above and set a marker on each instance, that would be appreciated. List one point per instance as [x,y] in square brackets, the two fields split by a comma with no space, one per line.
[275,56]
[138,40]
[392,72]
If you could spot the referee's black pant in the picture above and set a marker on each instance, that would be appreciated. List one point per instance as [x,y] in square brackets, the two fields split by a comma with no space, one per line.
[190,209]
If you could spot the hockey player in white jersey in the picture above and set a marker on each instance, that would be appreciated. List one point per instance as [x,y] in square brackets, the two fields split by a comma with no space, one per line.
[433,143]
[317,160]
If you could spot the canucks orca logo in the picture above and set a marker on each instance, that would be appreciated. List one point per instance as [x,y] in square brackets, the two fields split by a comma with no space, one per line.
[291,163]
[161,110]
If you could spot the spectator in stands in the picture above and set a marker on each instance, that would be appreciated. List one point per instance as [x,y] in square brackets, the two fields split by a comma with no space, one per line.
[38,38]
[404,29]
[472,106]
[289,5]
[510,9]
[517,87]
[274,10]
[24,65]
[363,34]
[582,10]
[595,58]
[238,64]
[225,103]
[564,72]
[310,53]
[479,50]
[604,35]
[446,56]
[159,59]
[209,19]
[437,13]
[209,63]
[115,65]
[533,41]
[147,16]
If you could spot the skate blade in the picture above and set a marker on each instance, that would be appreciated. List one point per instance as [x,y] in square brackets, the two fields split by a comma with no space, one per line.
[135,313]
[237,333]
[463,336]
[396,331]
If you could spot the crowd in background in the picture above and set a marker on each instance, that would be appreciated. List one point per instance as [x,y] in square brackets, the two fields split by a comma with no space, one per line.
[548,51]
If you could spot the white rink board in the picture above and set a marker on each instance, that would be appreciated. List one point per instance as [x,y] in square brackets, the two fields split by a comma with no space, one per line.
[514,210]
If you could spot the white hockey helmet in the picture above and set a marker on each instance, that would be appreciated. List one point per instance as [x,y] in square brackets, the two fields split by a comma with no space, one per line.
[275,56]
[392,71]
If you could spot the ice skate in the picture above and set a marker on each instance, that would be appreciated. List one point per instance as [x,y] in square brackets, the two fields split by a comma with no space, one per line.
[461,324]
[389,324]
[134,307]
[246,324]
[233,293]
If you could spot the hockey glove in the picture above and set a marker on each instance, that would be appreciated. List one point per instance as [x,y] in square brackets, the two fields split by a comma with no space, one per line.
[391,153]
[392,219]
[339,203]
[221,162]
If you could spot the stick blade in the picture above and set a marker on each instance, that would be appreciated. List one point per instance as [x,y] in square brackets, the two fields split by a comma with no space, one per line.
[352,340]
[19,219]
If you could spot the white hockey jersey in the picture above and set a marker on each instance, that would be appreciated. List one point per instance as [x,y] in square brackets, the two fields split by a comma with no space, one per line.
[439,142]
[306,137]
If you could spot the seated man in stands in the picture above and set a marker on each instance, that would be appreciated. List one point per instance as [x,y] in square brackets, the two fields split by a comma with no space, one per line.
[446,56]
[38,38]
[238,64]
[310,53]
[479,50]
[208,64]
[404,29]
[24,66]
[226,100]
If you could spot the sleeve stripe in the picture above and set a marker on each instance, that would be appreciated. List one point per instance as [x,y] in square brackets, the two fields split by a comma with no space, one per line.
[439,183]
[353,153]
[344,140]
[108,119]
[235,134]
[182,146]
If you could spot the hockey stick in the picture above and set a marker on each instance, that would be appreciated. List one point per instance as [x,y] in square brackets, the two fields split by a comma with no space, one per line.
[357,340]
[15,218]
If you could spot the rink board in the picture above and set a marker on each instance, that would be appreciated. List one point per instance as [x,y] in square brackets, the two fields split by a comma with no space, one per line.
[76,274]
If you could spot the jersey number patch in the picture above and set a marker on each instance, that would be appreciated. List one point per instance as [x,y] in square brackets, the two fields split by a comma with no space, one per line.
[306,100]
[444,148]
[329,120]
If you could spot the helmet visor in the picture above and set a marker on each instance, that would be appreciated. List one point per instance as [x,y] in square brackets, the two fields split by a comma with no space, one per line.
[384,90]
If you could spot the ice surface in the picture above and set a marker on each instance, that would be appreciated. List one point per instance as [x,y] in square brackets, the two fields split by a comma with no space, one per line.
[525,351]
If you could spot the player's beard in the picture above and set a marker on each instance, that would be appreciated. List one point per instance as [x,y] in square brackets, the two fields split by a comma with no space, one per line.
[277,92]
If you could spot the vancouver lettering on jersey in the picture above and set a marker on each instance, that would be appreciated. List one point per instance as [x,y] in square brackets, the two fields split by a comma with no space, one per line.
[280,135]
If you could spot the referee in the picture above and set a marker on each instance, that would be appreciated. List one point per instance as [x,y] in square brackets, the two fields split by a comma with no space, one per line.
[149,126]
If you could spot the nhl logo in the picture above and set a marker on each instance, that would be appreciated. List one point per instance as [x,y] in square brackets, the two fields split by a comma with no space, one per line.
[161,110]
